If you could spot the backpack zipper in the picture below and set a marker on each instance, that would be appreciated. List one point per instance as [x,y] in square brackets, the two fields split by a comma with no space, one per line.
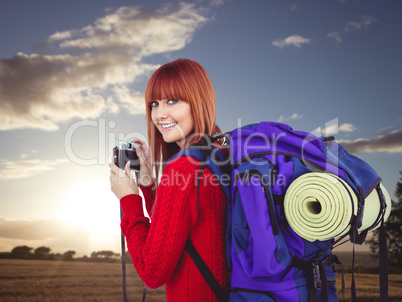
[309,163]
[246,175]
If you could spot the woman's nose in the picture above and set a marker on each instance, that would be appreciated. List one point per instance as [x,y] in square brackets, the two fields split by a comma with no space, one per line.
[161,112]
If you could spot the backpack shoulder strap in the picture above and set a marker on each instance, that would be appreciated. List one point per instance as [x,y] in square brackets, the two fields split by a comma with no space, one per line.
[205,271]
[214,159]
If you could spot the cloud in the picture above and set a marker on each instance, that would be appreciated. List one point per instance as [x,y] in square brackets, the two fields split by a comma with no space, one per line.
[59,235]
[351,26]
[217,2]
[294,40]
[27,153]
[93,66]
[335,35]
[333,128]
[391,143]
[57,36]
[26,168]
[294,116]
[35,229]
[347,127]
[131,31]
[367,20]
[131,101]
[385,130]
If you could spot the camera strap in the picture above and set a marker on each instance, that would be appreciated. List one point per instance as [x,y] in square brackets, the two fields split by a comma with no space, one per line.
[123,258]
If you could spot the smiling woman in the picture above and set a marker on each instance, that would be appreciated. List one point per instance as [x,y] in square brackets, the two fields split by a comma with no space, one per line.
[181,110]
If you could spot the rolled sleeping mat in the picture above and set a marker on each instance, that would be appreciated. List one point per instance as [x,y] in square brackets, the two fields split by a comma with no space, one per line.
[319,206]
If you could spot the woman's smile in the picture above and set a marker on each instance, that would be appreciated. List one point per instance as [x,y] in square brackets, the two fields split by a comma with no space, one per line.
[168,126]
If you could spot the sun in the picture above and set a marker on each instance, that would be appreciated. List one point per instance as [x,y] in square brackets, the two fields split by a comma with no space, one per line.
[92,206]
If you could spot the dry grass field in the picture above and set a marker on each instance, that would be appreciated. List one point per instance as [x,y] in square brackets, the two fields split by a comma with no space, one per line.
[45,281]
[68,281]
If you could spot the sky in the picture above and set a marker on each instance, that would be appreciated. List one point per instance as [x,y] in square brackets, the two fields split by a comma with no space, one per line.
[73,76]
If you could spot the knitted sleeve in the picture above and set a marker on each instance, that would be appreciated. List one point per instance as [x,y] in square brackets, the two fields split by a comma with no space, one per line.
[157,247]
[149,193]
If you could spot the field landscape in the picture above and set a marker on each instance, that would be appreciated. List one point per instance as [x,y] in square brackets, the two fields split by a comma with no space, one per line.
[68,281]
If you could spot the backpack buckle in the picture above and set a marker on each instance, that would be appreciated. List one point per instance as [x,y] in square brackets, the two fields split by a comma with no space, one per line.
[381,196]
[316,276]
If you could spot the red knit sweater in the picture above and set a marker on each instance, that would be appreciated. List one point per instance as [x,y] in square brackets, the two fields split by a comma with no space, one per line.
[157,248]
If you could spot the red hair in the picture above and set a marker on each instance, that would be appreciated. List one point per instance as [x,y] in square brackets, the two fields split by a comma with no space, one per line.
[184,80]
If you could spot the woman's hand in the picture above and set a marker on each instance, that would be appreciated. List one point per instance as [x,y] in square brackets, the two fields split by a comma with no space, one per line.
[121,181]
[146,177]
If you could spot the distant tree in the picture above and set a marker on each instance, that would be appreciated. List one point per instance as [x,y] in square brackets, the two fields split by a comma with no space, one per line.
[42,252]
[393,229]
[5,255]
[68,256]
[21,252]
[58,256]
[107,254]
[103,255]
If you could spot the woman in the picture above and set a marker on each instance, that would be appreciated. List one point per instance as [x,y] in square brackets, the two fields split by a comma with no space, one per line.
[181,108]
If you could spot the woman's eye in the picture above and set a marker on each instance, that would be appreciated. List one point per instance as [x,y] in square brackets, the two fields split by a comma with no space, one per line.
[171,102]
[154,104]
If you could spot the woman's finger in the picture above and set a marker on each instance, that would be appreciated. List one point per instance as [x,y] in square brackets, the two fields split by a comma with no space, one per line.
[127,170]
[113,168]
[140,155]
[139,143]
[144,148]
[145,164]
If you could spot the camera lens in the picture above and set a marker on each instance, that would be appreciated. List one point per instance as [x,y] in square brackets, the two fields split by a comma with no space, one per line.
[129,145]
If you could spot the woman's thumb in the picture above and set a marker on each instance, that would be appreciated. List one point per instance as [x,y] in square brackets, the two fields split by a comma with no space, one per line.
[127,169]
[140,155]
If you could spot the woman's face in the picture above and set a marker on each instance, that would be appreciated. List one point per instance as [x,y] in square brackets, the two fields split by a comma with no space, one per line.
[173,119]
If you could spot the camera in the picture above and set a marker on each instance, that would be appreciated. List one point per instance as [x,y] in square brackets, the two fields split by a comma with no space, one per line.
[124,152]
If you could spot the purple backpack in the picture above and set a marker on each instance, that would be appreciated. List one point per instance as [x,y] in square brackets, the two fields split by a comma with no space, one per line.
[268,260]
